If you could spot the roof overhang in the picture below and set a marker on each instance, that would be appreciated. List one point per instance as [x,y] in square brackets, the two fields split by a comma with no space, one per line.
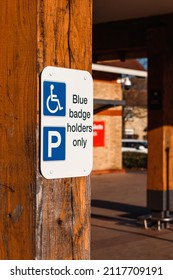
[119,70]
[104,104]
[115,10]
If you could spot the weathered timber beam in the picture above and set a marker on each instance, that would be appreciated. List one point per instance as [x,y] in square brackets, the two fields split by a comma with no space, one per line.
[125,39]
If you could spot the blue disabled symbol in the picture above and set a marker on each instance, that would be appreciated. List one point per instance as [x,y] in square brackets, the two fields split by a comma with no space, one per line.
[54,94]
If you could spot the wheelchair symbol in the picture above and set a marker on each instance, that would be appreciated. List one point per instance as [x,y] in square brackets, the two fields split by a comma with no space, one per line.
[53,98]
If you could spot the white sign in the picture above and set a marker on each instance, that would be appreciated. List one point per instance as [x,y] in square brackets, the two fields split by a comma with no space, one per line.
[66,123]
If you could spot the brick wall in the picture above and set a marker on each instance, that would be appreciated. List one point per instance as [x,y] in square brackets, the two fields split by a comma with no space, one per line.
[109,157]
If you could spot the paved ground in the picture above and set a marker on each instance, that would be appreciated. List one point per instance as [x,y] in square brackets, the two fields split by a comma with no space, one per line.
[117,201]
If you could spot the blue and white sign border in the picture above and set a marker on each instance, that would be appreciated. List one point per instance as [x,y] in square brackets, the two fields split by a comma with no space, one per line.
[71,138]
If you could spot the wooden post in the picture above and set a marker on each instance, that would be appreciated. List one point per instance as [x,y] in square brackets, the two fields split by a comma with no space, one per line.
[160,134]
[39,218]
[18,95]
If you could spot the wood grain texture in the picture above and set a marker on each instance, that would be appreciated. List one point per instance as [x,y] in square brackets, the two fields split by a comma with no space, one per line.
[39,218]
[63,205]
[18,92]
[160,124]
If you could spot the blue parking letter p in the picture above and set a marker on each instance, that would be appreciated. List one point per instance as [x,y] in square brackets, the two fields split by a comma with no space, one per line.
[54,143]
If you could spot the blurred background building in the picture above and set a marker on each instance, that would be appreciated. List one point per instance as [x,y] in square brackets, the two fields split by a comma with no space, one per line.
[113,124]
